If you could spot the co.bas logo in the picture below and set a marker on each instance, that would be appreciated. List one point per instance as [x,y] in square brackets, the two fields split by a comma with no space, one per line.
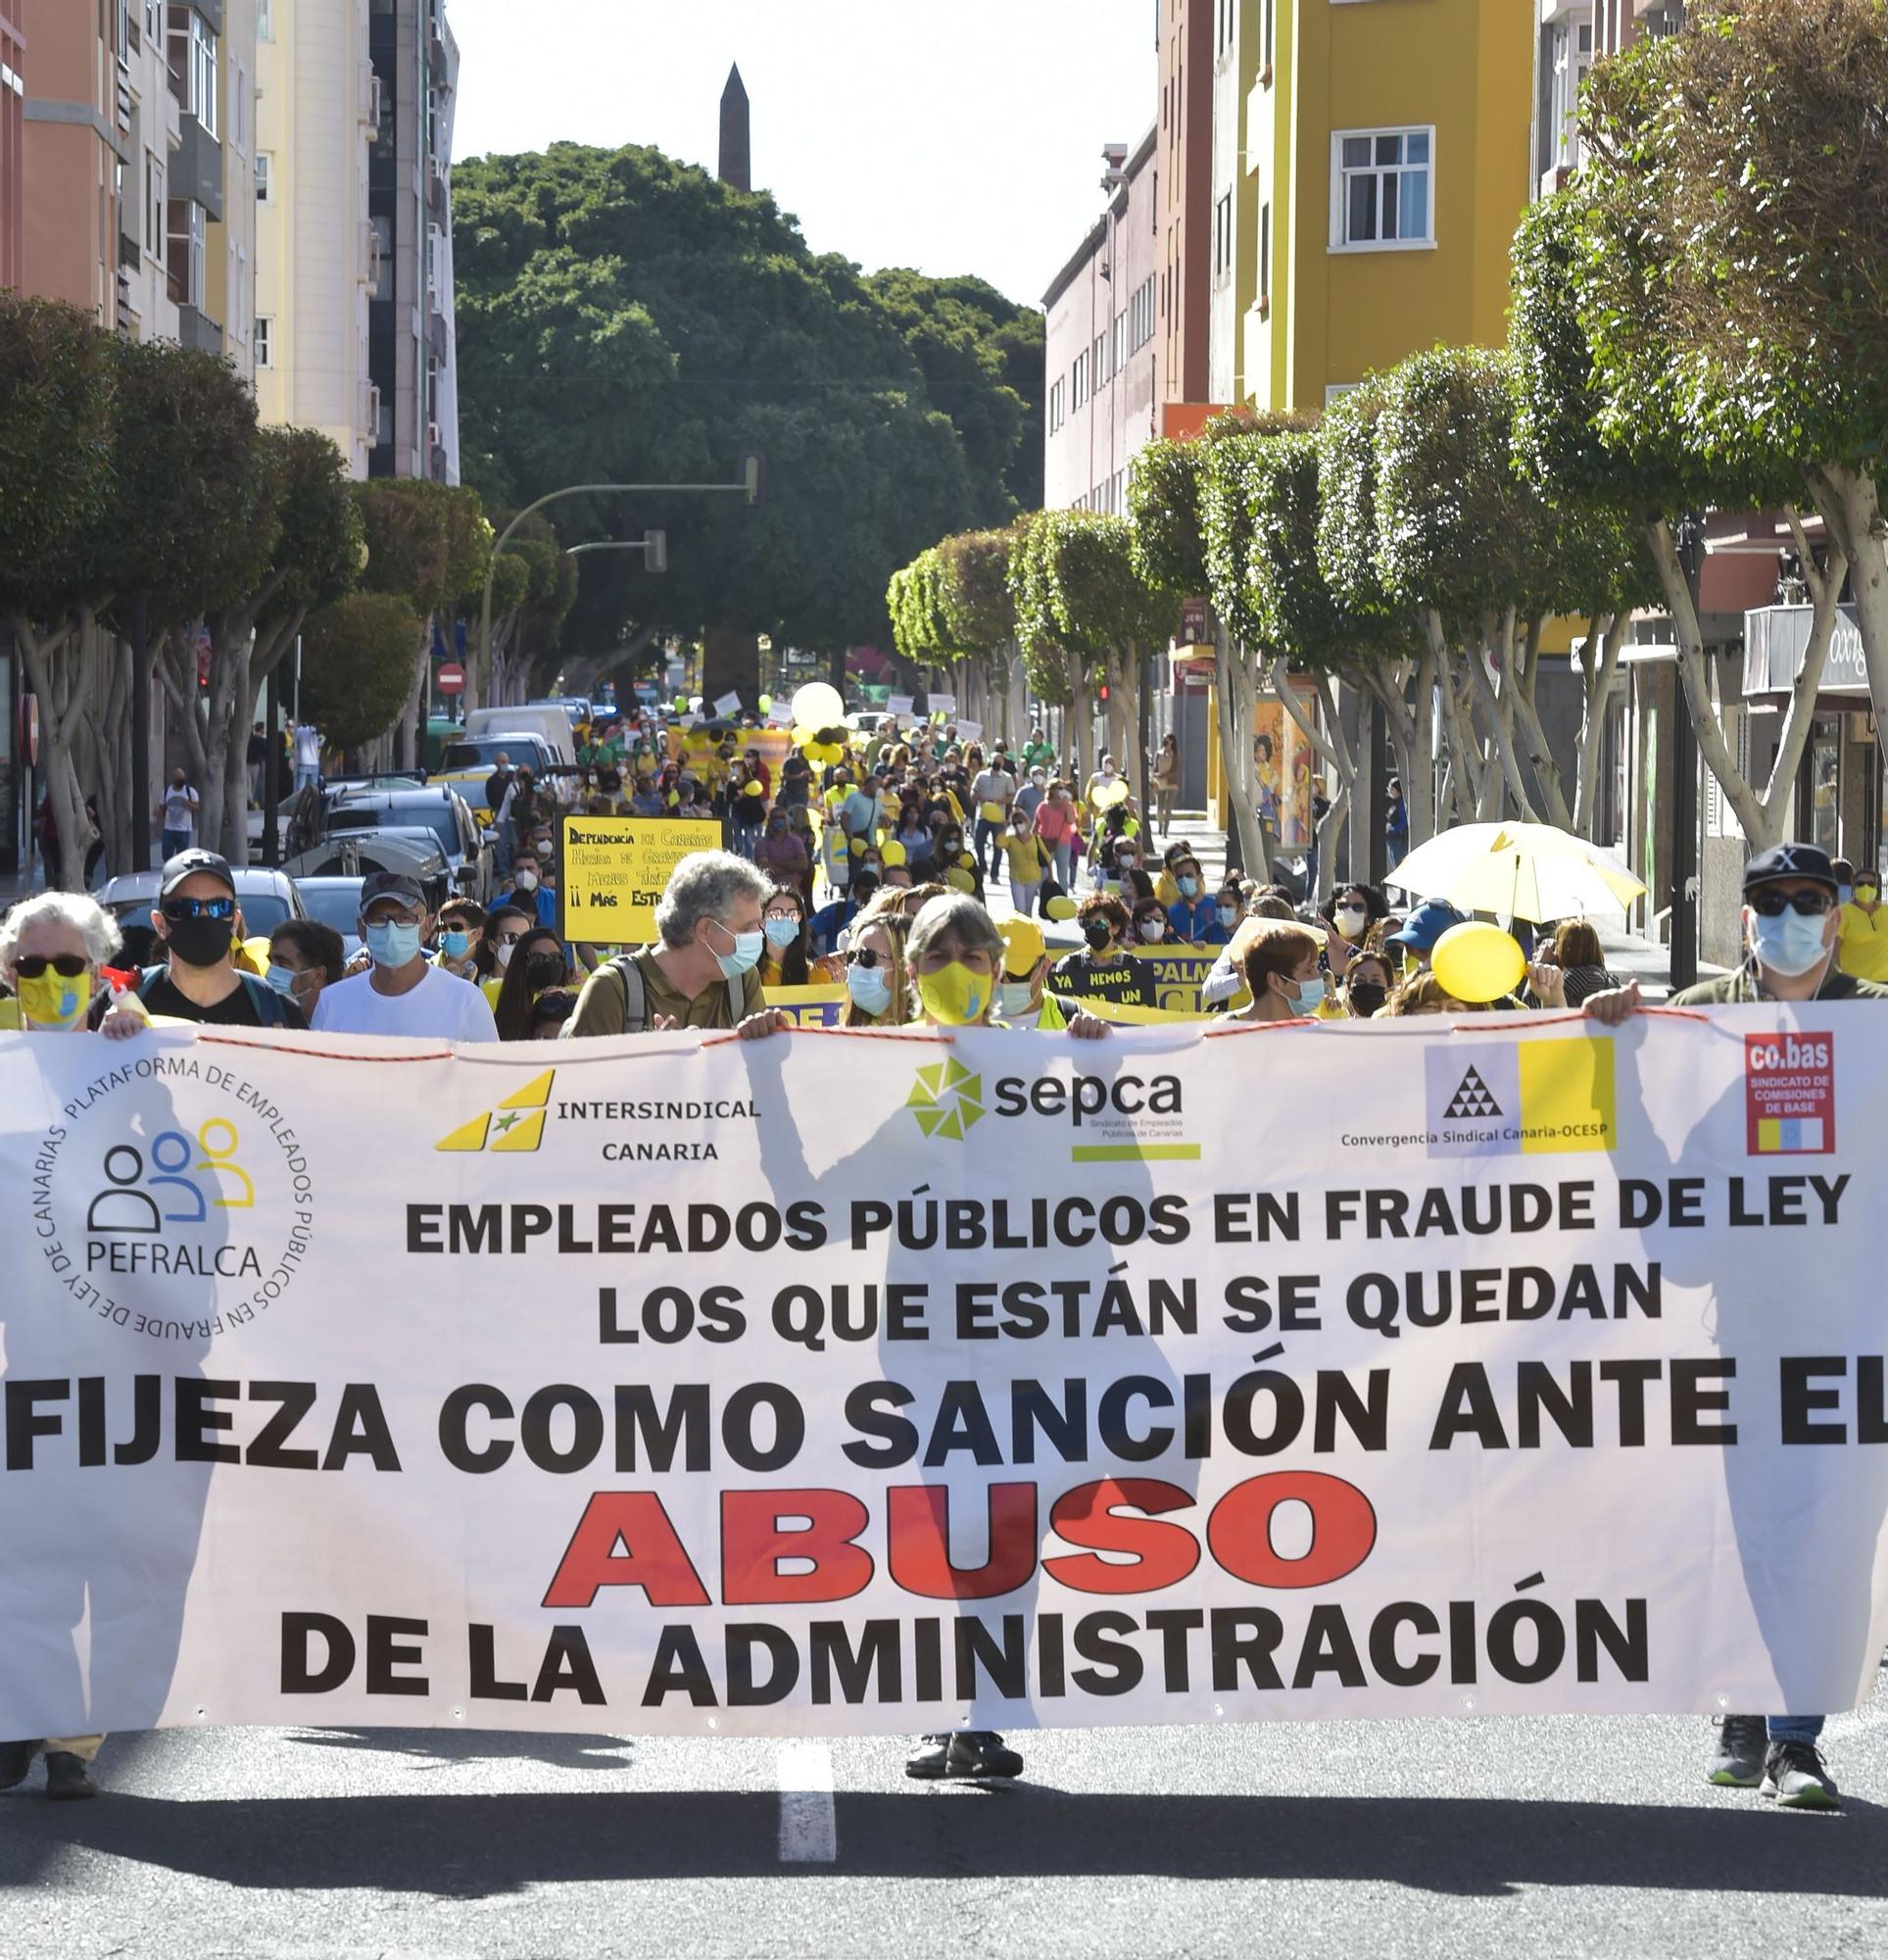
[1123,1115]
[174,1198]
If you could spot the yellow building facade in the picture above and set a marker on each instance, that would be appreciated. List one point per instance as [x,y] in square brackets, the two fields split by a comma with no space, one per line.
[1389,149]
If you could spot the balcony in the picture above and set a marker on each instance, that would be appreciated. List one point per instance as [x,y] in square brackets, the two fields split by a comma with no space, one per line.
[196,171]
[198,331]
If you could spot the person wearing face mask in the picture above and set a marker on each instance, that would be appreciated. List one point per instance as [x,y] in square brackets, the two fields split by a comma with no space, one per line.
[1055,825]
[1023,999]
[195,920]
[1861,937]
[1367,986]
[177,815]
[959,868]
[537,966]
[462,926]
[1102,971]
[1416,937]
[1124,876]
[1193,917]
[1353,910]
[704,972]
[505,926]
[303,956]
[1282,972]
[876,992]
[782,856]
[1228,907]
[1029,861]
[531,892]
[1790,927]
[1149,924]
[402,993]
[783,963]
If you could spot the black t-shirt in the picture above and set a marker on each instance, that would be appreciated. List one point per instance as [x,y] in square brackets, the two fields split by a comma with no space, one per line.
[234,1011]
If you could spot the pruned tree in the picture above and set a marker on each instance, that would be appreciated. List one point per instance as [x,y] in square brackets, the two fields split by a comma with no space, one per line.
[56,462]
[356,666]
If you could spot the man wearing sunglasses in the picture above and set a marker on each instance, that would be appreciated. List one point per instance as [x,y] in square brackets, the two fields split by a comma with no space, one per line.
[1790,922]
[195,921]
[402,993]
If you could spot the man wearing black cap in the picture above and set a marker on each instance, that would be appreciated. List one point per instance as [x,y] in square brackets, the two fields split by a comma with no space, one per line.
[1790,919]
[196,920]
[1790,922]
[403,993]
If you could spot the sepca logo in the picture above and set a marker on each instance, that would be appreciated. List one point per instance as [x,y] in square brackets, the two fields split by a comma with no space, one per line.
[1087,1097]
[516,1124]
[947,1100]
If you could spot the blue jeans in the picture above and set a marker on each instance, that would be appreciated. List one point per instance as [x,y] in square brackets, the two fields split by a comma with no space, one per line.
[171,842]
[990,834]
[1793,1728]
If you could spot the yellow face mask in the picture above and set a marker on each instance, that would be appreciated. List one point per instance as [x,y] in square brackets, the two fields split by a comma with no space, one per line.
[954,996]
[54,1001]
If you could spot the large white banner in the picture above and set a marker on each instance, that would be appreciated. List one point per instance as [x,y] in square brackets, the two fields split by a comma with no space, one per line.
[854,1384]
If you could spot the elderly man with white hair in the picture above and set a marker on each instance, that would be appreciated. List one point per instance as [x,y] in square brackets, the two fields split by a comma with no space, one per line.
[703,973]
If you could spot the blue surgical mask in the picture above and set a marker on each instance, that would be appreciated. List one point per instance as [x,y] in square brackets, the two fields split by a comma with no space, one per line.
[869,986]
[1788,943]
[393,945]
[782,932]
[1012,999]
[1307,996]
[745,956]
[1229,917]
[280,979]
[1189,886]
[454,945]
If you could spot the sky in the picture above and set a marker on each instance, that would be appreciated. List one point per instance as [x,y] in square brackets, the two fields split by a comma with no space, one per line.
[951,135]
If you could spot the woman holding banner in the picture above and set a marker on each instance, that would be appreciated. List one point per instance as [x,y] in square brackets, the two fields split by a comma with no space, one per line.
[876,977]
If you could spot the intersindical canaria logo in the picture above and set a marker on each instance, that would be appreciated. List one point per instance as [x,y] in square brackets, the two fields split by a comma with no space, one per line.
[948,1099]
[516,1124]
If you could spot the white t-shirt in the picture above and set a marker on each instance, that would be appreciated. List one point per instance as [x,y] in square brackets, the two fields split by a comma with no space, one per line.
[180,810]
[308,747]
[442,1006]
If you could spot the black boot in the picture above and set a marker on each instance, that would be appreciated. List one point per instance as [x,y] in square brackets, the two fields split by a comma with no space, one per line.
[67,1776]
[970,1754]
[16,1759]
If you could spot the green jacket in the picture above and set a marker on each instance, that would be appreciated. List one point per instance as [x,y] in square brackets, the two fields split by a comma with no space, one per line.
[1740,987]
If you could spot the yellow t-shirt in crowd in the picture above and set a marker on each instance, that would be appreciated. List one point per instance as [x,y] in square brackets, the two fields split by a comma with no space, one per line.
[1861,945]
[1025,854]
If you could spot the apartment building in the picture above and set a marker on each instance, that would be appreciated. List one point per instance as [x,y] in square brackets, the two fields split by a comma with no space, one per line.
[1185,188]
[1103,346]
[1239,50]
[13,134]
[1391,144]
[317,255]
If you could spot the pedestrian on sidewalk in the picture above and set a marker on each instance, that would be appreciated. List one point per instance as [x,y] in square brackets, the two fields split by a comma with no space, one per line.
[308,756]
[177,816]
[256,759]
[1396,824]
[1166,781]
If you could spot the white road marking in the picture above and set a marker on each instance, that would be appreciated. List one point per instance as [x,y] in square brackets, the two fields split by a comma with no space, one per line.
[807,1833]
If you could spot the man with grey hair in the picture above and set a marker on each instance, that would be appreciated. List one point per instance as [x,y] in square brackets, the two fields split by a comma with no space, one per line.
[705,972]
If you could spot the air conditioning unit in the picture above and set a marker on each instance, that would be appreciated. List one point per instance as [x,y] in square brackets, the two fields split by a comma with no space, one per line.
[373,414]
[368,90]
[434,438]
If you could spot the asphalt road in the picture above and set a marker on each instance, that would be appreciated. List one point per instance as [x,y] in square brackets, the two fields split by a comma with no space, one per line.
[1540,1837]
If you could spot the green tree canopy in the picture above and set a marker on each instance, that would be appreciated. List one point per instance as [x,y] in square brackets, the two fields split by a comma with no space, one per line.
[358,665]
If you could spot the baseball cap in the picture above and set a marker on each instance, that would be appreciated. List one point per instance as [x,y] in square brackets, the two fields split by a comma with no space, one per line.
[1785,861]
[188,863]
[1427,923]
[1023,943]
[391,885]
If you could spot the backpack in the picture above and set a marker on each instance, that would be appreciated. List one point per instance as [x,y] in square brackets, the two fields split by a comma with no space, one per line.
[270,1010]
[635,995]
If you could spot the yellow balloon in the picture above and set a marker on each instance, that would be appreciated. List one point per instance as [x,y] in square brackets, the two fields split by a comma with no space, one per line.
[1478,962]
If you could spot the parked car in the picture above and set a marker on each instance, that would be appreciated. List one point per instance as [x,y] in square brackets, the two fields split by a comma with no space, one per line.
[467,764]
[357,854]
[435,808]
[335,901]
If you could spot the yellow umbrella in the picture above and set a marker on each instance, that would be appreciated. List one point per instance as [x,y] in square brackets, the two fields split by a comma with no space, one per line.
[1524,870]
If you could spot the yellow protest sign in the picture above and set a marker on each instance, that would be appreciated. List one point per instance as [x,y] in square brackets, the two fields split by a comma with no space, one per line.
[614,869]
[1128,1014]
[810,1006]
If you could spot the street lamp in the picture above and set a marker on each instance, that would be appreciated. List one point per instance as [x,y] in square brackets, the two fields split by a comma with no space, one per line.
[748,487]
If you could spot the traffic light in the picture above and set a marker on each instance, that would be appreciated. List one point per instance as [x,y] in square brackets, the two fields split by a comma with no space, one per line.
[1101,694]
[655,549]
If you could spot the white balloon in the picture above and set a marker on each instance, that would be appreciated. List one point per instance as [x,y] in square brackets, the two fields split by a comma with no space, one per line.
[818,705]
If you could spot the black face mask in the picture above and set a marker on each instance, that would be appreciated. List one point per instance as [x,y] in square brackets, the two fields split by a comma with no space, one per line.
[543,969]
[1368,995]
[1097,932]
[203,942]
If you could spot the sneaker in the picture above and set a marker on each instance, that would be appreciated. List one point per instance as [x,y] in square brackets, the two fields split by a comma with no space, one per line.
[67,1776]
[970,1753]
[16,1759]
[1794,1775]
[1737,1762]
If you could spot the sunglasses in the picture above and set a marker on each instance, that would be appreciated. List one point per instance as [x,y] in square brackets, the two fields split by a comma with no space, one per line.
[199,909]
[510,938]
[867,957]
[1773,905]
[68,965]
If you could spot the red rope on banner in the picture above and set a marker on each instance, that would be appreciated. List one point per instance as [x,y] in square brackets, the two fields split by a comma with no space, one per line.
[322,1054]
[1225,1029]
[882,1034]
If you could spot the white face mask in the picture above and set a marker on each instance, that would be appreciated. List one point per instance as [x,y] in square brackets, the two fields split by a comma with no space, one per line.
[526,881]
[1012,999]
[1351,920]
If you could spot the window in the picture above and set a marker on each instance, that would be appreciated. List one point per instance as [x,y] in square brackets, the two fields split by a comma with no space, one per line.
[1117,491]
[1120,359]
[265,19]
[265,341]
[184,224]
[154,226]
[1223,239]
[264,165]
[1379,189]
[1265,256]
[1079,380]
[1573,58]
[190,52]
[1101,361]
[1058,414]
[154,20]
[1141,315]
